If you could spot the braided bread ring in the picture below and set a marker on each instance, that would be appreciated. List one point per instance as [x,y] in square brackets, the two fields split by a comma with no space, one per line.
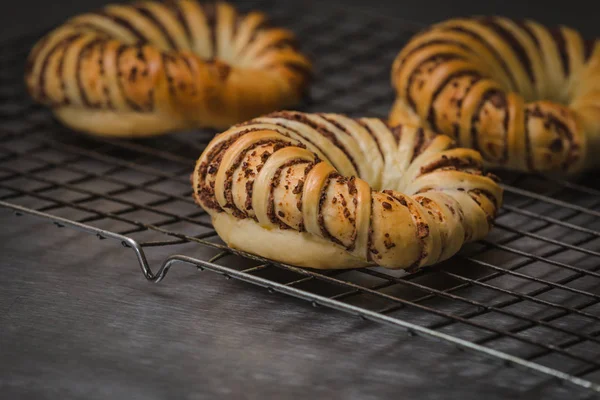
[150,67]
[285,187]
[525,96]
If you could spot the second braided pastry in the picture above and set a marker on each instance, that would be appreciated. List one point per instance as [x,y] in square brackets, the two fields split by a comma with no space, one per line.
[328,191]
[526,96]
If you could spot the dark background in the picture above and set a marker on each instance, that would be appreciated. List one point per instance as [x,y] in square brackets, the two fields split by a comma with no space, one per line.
[20,16]
[195,337]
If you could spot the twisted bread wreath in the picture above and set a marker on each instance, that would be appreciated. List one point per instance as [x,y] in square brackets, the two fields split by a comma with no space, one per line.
[525,96]
[151,67]
[285,187]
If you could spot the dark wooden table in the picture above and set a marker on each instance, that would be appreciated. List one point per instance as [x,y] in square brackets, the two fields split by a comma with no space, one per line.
[77,319]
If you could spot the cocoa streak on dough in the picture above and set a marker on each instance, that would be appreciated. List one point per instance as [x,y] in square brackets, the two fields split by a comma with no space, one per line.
[459,103]
[487,194]
[300,187]
[321,218]
[430,43]
[421,228]
[210,10]
[498,99]
[101,70]
[353,192]
[120,78]
[418,147]
[149,14]
[433,209]
[561,45]
[173,5]
[452,210]
[133,74]
[334,123]
[505,122]
[397,133]
[527,29]
[557,145]
[168,59]
[236,25]
[437,59]
[294,116]
[588,48]
[444,161]
[352,217]
[299,68]
[370,249]
[288,42]
[59,74]
[249,191]
[513,42]
[431,116]
[473,194]
[491,48]
[43,70]
[352,186]
[228,191]
[124,23]
[304,138]
[83,52]
[274,183]
[388,243]
[211,165]
[370,132]
[262,26]
[561,128]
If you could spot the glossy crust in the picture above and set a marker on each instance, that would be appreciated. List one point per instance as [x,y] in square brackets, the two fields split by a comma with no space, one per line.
[286,187]
[527,97]
[151,67]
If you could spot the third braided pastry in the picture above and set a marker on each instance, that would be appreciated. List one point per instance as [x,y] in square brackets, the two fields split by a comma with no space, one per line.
[527,97]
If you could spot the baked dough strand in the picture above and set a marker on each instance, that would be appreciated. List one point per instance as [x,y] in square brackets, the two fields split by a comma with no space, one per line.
[525,96]
[328,191]
[151,67]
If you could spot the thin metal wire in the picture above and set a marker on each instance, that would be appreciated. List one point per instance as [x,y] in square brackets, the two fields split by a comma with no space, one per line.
[519,296]
[550,220]
[106,176]
[545,259]
[94,155]
[549,200]
[112,215]
[361,70]
[482,306]
[547,240]
[133,206]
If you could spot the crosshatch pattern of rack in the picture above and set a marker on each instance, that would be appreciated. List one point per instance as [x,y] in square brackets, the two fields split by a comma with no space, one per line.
[530,290]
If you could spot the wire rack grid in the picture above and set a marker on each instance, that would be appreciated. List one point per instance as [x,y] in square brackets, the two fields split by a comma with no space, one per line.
[526,296]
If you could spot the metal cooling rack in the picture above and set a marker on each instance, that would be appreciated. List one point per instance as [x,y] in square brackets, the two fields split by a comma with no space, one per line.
[526,296]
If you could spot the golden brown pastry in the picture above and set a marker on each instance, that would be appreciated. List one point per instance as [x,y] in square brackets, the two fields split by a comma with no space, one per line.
[151,67]
[527,97]
[328,191]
